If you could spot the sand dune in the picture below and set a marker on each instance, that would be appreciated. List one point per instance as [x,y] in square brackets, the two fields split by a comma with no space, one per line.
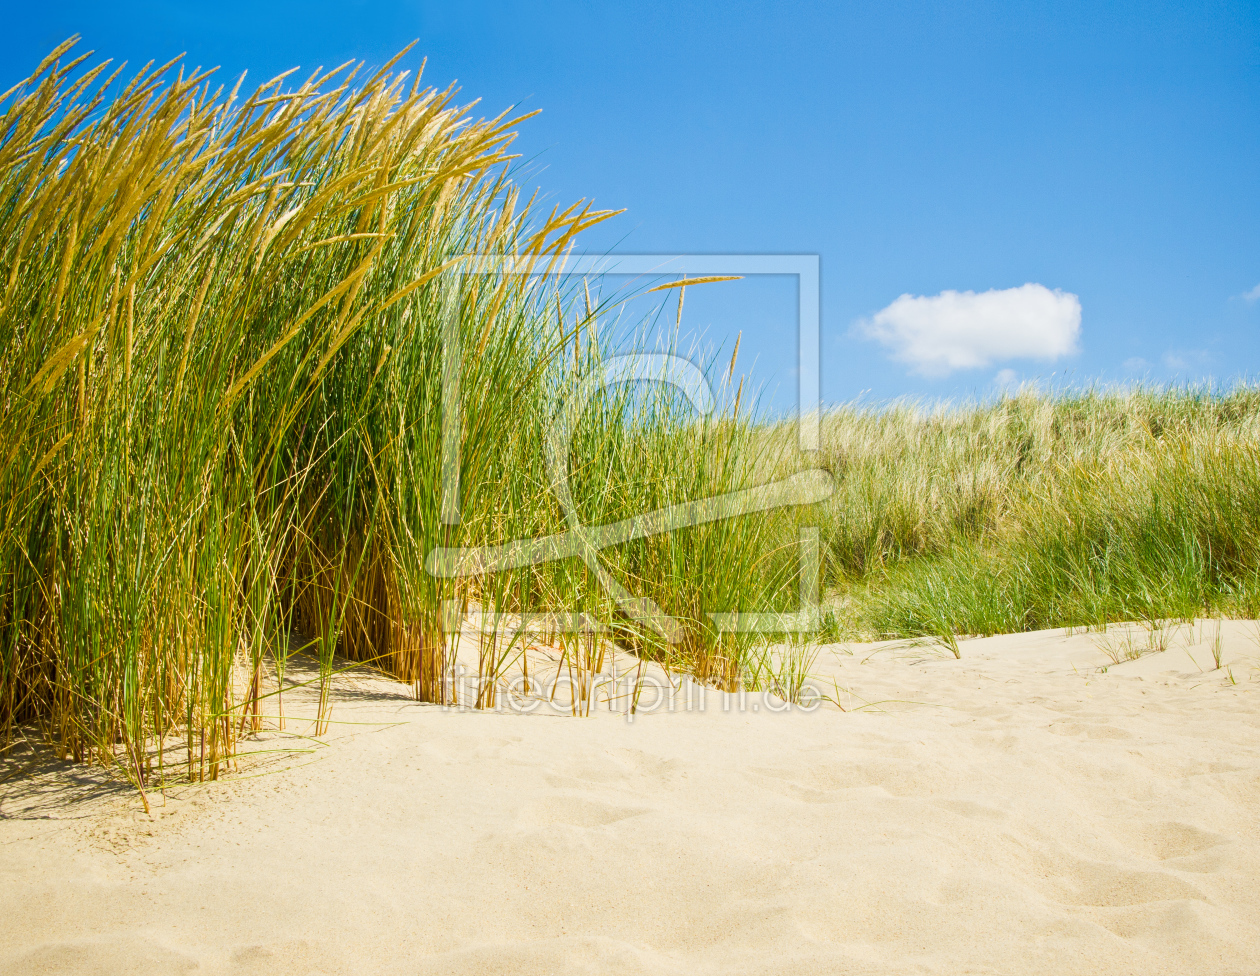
[1015,811]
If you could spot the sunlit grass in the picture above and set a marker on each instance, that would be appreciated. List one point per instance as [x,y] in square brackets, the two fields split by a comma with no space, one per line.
[222,341]
[1075,509]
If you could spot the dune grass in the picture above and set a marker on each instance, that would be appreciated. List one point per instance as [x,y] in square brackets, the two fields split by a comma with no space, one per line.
[224,347]
[223,351]
[1074,509]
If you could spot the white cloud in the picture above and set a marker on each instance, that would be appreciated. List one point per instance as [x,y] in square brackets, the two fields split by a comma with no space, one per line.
[1252,296]
[964,330]
[1005,378]
[1186,358]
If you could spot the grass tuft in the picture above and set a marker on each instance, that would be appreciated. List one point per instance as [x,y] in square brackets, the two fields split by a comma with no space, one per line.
[224,326]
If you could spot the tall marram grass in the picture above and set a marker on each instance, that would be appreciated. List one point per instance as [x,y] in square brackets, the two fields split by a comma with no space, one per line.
[221,348]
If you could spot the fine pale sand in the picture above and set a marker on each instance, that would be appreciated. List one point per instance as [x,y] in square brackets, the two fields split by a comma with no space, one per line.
[1015,811]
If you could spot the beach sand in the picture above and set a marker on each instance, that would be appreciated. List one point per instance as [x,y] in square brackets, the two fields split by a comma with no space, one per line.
[1016,811]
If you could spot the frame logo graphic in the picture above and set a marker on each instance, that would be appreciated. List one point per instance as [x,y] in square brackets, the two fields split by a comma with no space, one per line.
[585,542]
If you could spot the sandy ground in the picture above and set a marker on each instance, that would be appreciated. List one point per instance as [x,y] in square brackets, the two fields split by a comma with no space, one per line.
[1016,811]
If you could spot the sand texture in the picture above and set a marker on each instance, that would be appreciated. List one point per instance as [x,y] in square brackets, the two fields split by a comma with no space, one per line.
[1015,811]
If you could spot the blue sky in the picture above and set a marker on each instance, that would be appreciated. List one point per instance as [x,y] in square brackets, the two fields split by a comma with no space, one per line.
[1106,151]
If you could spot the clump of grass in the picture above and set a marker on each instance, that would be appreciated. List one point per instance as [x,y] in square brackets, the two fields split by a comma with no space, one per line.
[224,335]
[783,670]
[1122,645]
[220,323]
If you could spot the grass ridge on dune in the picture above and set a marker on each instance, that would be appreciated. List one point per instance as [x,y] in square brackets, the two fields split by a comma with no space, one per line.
[1044,510]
